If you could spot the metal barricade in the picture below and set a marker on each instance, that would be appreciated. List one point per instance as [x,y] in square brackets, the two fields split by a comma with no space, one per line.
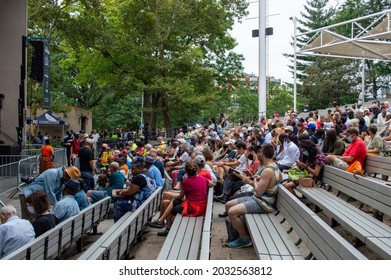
[23,167]
[31,152]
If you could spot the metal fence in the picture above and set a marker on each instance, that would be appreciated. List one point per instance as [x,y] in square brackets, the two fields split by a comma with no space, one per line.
[20,166]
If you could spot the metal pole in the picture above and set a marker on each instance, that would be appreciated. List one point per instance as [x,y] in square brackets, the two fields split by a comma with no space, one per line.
[295,66]
[363,81]
[262,60]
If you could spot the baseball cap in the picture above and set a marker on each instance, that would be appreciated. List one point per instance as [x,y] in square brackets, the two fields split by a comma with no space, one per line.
[149,159]
[240,144]
[104,145]
[200,159]
[290,128]
[311,126]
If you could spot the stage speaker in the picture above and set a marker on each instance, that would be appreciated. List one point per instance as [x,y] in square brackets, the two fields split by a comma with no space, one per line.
[37,61]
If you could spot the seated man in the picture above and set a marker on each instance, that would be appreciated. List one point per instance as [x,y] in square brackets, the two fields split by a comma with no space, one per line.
[115,181]
[153,170]
[262,202]
[138,190]
[357,151]
[14,232]
[290,153]
[67,206]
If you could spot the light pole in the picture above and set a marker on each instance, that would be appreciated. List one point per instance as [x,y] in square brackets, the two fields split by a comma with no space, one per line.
[295,66]
[262,60]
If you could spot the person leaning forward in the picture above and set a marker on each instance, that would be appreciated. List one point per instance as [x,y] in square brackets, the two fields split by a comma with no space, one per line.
[51,182]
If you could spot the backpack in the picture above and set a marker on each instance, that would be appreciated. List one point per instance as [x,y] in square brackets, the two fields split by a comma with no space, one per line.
[151,184]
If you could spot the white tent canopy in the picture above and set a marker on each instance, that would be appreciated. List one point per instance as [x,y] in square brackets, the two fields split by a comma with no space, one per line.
[368,42]
[370,38]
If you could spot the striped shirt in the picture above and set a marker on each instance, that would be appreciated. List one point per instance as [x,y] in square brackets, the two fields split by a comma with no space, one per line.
[268,199]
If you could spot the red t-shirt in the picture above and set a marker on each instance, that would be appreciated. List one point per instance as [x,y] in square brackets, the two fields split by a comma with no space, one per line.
[204,173]
[358,150]
[75,146]
[195,188]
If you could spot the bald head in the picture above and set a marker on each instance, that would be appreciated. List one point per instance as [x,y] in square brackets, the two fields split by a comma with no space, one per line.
[114,166]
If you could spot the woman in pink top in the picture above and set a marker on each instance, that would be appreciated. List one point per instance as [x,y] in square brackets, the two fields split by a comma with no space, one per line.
[191,200]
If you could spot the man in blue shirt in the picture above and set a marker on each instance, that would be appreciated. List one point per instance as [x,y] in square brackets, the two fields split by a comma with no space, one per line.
[154,171]
[14,232]
[67,206]
[51,182]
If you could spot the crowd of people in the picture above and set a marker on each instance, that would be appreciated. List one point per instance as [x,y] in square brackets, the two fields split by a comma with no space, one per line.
[243,164]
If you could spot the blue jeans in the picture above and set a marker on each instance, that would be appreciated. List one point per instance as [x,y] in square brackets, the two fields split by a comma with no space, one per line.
[283,167]
[181,173]
[88,180]
[121,207]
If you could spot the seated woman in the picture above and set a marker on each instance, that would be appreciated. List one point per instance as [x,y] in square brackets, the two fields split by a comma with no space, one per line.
[311,159]
[40,203]
[138,190]
[375,143]
[191,201]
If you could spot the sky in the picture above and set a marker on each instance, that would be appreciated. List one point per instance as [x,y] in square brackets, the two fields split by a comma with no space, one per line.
[279,13]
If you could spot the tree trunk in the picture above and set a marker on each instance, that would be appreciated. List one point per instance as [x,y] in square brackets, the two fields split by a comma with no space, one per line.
[374,86]
[153,115]
[166,116]
[147,107]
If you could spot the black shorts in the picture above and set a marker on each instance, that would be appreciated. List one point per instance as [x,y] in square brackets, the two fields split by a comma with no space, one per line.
[178,209]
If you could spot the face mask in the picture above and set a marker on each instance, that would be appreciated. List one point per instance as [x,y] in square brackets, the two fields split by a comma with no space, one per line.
[250,157]
[349,138]
[31,209]
[306,153]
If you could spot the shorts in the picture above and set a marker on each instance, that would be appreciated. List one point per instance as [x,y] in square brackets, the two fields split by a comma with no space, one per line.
[251,205]
[178,209]
[340,164]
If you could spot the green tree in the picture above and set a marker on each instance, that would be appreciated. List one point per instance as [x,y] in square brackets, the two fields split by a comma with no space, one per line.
[170,50]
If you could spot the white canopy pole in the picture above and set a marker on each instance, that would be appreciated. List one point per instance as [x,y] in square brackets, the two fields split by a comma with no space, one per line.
[363,80]
[262,60]
[295,66]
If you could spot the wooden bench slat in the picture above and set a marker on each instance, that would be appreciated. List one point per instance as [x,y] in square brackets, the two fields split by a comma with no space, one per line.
[196,239]
[357,221]
[115,240]
[322,240]
[166,248]
[384,243]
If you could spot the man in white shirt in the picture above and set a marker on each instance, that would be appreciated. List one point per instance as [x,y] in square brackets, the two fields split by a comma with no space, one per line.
[381,118]
[14,232]
[290,154]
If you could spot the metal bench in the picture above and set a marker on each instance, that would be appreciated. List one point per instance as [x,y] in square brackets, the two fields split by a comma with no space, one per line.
[184,239]
[207,229]
[115,243]
[56,241]
[272,242]
[378,165]
[374,193]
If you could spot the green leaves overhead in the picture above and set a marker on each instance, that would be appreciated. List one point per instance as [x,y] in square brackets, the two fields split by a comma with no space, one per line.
[169,50]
